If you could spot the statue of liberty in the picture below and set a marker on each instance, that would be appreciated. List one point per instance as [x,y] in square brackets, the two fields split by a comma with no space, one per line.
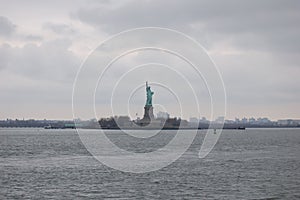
[149,95]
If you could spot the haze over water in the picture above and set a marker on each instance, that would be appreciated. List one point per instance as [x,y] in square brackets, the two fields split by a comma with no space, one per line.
[53,164]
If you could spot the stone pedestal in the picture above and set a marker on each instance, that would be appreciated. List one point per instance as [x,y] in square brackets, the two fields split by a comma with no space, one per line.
[148,112]
[148,116]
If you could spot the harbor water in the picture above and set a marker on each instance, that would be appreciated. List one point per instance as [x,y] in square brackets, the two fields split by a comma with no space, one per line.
[244,164]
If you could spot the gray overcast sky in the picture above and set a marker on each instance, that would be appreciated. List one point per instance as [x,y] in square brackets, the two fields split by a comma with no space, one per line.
[255,44]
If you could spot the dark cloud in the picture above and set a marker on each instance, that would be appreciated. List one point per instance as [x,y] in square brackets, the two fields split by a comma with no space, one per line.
[33,38]
[59,28]
[6,26]
[266,25]
[49,61]
[37,77]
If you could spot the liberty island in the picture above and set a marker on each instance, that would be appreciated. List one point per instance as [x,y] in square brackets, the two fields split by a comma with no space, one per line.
[149,121]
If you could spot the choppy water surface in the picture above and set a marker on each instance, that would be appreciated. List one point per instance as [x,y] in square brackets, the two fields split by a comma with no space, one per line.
[53,164]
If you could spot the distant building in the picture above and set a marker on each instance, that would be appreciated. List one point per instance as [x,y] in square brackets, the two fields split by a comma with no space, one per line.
[162,115]
[263,120]
[244,120]
[228,121]
[194,120]
[284,122]
[204,120]
[288,122]
[220,119]
[252,120]
[122,120]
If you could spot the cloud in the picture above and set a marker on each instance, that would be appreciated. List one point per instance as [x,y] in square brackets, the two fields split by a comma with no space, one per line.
[267,25]
[37,77]
[6,26]
[33,38]
[59,28]
[50,61]
[254,43]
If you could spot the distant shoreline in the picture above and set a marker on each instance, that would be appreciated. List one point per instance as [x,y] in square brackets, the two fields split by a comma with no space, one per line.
[126,124]
[112,129]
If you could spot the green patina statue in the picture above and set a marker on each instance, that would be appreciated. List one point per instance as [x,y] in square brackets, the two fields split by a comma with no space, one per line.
[149,95]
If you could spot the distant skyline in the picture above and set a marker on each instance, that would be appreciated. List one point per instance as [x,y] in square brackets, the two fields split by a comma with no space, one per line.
[255,44]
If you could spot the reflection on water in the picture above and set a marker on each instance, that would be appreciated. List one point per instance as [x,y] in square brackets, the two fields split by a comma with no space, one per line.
[251,164]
